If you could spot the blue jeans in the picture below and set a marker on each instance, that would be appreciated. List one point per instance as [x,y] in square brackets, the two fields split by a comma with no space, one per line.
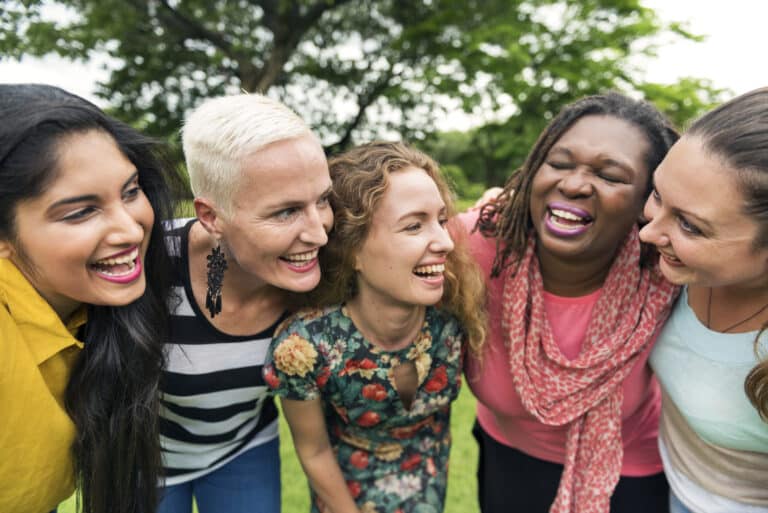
[248,484]
[675,506]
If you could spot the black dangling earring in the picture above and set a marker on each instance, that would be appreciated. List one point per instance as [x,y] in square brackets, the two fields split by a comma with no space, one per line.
[216,266]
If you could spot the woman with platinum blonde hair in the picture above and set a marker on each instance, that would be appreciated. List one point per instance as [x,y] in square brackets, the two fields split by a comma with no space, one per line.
[261,186]
[366,381]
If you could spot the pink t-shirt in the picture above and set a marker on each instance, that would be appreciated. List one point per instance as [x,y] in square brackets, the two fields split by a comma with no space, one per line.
[500,411]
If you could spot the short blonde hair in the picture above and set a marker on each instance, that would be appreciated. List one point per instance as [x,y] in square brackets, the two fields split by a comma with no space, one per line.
[221,132]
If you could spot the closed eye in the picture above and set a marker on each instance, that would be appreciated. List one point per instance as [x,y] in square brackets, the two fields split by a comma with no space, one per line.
[79,215]
[687,226]
[325,199]
[132,192]
[610,178]
[413,227]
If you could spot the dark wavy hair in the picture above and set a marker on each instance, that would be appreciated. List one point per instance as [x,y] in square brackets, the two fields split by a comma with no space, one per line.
[112,394]
[508,219]
[360,180]
[737,133]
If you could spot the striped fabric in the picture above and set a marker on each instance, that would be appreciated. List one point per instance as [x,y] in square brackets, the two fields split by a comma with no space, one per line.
[214,401]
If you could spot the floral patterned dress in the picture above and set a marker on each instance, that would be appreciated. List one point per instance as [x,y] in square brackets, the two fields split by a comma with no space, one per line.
[395,459]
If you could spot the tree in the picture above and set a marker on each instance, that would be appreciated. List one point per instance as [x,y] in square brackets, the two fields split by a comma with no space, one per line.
[354,69]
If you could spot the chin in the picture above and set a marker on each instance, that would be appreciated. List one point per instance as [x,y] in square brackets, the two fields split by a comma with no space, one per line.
[299,286]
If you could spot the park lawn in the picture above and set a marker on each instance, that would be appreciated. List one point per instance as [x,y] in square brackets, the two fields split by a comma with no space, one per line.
[462,482]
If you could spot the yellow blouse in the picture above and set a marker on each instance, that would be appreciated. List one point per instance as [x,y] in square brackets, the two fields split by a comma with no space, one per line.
[37,353]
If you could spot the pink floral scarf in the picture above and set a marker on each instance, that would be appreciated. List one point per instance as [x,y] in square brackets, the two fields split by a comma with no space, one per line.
[584,393]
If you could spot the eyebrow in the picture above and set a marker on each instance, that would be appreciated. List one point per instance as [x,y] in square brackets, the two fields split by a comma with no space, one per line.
[679,211]
[295,203]
[88,197]
[421,214]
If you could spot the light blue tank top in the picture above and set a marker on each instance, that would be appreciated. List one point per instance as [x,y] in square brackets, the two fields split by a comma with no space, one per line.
[703,372]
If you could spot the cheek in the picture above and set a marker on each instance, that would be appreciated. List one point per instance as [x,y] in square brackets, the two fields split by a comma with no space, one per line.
[649,209]
[144,214]
[326,216]
[627,204]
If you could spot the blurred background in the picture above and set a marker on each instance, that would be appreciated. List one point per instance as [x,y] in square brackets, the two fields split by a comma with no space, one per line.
[472,82]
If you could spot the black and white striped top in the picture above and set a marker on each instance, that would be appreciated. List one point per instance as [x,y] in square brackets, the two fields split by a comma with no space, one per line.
[214,401]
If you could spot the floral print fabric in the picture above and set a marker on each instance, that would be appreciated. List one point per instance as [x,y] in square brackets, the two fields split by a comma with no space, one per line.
[395,459]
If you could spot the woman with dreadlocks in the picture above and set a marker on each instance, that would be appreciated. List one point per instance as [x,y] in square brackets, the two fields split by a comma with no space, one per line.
[567,415]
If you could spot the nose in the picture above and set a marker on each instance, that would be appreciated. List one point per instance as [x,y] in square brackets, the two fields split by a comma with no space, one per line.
[442,242]
[577,182]
[653,232]
[124,228]
[319,223]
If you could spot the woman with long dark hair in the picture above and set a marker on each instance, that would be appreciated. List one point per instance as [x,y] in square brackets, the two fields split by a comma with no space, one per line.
[83,274]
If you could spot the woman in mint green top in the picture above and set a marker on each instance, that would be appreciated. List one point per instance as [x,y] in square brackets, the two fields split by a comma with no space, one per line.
[716,408]
[708,217]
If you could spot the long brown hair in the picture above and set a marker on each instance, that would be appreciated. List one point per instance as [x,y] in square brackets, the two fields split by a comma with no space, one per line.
[360,179]
[737,132]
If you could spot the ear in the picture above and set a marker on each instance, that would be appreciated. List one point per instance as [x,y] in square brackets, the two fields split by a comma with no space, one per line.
[6,250]
[208,214]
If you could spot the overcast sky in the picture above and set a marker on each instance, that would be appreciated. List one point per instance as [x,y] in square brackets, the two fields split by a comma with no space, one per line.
[733,56]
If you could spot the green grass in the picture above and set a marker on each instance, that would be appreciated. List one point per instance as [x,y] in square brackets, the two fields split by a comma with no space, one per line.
[462,481]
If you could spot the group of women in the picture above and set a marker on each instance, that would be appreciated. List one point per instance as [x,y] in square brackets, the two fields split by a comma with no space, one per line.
[607,309]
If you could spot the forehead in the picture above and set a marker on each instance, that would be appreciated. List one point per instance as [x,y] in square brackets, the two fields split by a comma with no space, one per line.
[409,190]
[692,177]
[607,137]
[287,170]
[86,162]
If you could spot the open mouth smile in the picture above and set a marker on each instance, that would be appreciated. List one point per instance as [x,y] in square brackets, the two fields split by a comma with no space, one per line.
[301,261]
[429,271]
[567,221]
[122,268]
[672,261]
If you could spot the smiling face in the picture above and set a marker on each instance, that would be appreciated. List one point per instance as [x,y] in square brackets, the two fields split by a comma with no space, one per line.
[403,258]
[84,238]
[697,222]
[589,191]
[280,215]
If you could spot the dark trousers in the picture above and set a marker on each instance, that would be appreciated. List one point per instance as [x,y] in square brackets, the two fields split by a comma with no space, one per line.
[510,481]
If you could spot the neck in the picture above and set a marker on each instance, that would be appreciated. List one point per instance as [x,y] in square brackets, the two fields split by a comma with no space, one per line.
[389,326]
[573,278]
[730,309]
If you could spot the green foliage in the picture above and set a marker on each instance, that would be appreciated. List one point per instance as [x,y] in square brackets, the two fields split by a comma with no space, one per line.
[685,100]
[358,70]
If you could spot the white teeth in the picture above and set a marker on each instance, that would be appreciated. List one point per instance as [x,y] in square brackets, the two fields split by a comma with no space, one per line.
[301,257]
[564,214]
[430,269]
[131,266]
[128,258]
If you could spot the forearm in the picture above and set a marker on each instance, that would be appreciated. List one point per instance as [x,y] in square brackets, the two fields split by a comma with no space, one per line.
[310,438]
[327,481]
